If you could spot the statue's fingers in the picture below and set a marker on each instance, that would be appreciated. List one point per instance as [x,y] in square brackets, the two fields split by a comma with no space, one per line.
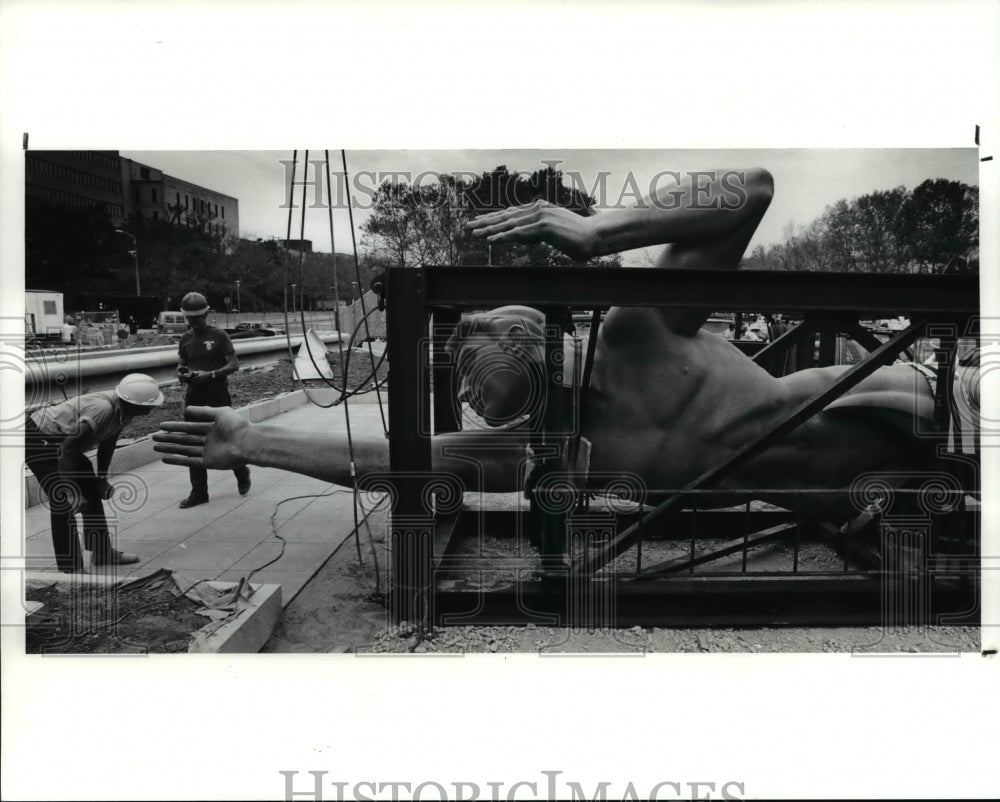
[510,224]
[526,233]
[492,218]
[187,462]
[174,448]
[186,427]
[181,439]
[209,414]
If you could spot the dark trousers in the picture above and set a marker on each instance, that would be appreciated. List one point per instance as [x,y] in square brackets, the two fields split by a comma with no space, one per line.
[212,394]
[63,489]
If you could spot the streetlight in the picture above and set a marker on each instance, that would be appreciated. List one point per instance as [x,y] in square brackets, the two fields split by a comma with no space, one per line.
[239,307]
[135,255]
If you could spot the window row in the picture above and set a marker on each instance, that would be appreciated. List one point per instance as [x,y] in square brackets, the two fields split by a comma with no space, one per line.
[105,160]
[68,174]
[58,198]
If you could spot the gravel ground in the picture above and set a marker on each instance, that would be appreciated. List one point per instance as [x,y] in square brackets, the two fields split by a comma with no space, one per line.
[651,640]
[248,386]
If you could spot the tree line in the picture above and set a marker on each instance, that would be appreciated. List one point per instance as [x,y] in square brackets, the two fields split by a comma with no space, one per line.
[930,229]
[78,252]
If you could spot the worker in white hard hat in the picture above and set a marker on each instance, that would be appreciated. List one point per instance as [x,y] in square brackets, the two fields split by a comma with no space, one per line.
[56,441]
[206,357]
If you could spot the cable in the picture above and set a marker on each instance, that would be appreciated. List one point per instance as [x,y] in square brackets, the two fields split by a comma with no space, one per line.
[357,273]
[344,391]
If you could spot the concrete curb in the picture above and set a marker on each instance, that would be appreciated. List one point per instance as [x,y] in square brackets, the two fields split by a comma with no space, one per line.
[246,632]
[130,456]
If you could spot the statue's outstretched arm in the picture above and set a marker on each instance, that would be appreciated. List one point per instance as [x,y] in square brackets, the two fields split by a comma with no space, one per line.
[220,438]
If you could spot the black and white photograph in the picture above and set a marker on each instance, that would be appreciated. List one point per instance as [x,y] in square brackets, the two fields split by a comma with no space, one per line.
[645,396]
[337,432]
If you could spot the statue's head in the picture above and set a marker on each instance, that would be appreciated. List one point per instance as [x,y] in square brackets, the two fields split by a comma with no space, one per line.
[498,357]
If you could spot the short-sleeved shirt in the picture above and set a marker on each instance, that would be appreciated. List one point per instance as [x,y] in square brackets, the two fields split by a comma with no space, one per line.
[208,350]
[103,411]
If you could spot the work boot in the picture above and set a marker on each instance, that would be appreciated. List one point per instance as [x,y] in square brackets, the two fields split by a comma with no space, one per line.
[113,557]
[193,501]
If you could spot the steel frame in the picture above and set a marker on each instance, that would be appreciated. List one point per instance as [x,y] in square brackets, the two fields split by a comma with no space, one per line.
[422,539]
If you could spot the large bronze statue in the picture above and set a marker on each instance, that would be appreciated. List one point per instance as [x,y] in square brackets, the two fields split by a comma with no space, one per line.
[666,401]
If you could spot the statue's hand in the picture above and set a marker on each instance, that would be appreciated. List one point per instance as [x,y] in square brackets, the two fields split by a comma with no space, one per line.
[540,221]
[212,438]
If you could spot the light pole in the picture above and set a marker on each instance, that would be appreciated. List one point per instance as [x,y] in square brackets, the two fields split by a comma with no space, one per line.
[135,255]
[239,307]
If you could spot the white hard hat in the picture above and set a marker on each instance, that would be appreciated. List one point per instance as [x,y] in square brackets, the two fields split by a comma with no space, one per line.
[139,389]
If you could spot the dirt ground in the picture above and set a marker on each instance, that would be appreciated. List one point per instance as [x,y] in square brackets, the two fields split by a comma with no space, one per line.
[652,640]
[80,618]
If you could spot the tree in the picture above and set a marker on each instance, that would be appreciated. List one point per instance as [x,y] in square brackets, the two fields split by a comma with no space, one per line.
[427,224]
[174,260]
[941,221]
[74,251]
[886,231]
[391,231]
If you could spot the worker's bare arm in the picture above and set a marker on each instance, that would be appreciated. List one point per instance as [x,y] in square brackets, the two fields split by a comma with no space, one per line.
[219,438]
[700,206]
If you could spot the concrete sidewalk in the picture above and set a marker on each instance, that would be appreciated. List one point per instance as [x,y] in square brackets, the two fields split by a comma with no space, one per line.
[231,535]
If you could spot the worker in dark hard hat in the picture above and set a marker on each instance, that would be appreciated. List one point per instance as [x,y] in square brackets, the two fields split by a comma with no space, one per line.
[206,357]
[56,441]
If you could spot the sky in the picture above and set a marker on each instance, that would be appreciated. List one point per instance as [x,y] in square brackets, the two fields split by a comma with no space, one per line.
[806,180]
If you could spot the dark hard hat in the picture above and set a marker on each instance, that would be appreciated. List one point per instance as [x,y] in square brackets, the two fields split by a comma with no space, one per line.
[194,304]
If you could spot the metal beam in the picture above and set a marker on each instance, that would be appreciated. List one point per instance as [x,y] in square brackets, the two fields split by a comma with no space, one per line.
[445,405]
[774,291]
[768,355]
[692,601]
[411,524]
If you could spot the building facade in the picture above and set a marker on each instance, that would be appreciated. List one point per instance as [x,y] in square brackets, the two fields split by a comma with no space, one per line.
[76,179]
[80,179]
[157,196]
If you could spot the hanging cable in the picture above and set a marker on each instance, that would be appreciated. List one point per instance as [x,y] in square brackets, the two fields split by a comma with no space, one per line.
[344,393]
[357,273]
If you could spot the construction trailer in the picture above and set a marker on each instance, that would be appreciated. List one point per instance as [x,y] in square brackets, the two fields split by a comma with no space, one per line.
[43,314]
[911,558]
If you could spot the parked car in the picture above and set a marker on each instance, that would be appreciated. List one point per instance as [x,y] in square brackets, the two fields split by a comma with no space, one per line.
[252,328]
